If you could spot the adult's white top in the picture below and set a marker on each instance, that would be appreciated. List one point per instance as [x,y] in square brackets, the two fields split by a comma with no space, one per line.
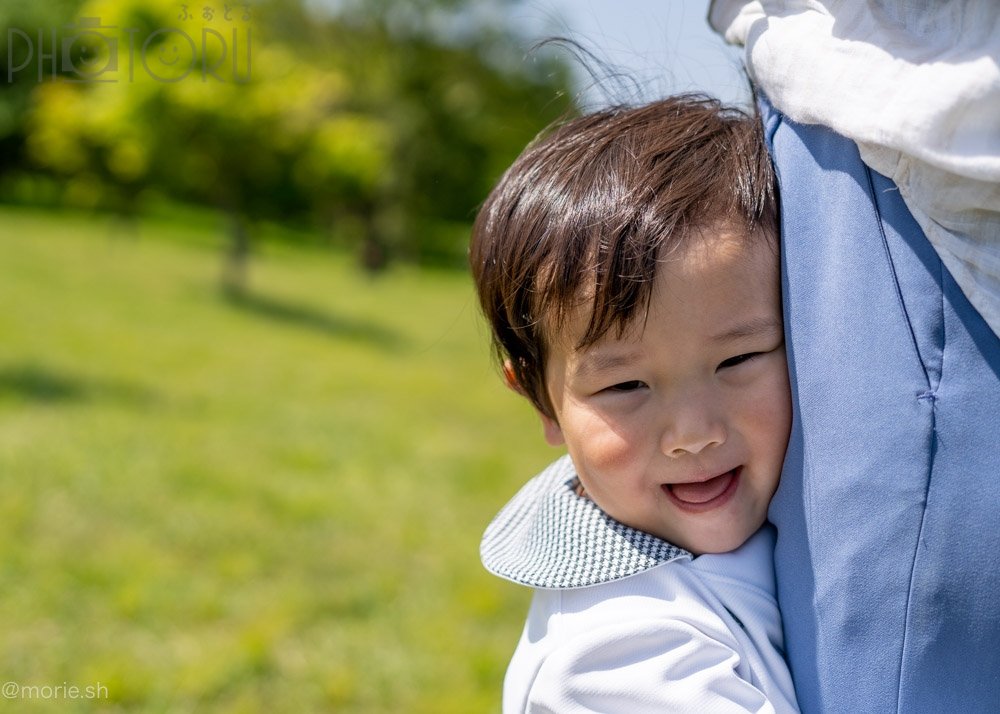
[916,84]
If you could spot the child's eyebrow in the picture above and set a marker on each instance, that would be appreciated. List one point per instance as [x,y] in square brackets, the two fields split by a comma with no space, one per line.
[751,328]
[602,361]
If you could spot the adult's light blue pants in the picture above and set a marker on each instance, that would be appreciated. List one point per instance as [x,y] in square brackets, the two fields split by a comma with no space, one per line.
[888,512]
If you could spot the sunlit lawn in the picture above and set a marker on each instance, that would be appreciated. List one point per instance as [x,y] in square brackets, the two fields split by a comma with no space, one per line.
[257,506]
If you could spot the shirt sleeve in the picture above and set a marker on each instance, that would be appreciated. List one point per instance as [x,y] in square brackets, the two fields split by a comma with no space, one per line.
[643,666]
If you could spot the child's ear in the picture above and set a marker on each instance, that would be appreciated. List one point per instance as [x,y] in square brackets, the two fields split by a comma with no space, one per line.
[510,378]
[553,432]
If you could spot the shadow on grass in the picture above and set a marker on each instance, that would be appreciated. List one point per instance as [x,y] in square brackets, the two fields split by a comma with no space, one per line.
[38,384]
[309,318]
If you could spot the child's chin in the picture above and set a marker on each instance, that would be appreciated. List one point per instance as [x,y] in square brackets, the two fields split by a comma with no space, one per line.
[718,543]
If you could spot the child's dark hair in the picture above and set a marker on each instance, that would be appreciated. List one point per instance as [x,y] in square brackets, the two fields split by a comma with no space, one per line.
[589,208]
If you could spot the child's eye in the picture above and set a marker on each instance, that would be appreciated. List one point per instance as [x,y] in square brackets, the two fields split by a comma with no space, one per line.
[739,359]
[629,386]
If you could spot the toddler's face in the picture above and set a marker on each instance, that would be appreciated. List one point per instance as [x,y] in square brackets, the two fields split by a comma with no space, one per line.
[679,428]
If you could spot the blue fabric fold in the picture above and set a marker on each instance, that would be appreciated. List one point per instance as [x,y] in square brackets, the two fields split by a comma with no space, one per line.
[888,512]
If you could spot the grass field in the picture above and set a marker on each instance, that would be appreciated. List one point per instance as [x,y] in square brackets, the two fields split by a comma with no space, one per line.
[264,505]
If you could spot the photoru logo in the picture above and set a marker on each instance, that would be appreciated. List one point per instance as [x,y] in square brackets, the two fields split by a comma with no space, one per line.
[92,52]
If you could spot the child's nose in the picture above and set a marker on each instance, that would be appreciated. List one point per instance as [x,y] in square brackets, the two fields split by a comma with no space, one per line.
[692,424]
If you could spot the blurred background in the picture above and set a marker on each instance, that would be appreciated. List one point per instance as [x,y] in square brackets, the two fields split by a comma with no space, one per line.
[250,430]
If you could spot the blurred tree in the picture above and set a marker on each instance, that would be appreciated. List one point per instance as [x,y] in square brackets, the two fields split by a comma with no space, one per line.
[462,99]
[19,67]
[386,137]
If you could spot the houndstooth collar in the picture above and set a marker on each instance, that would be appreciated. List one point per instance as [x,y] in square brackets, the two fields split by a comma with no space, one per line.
[550,537]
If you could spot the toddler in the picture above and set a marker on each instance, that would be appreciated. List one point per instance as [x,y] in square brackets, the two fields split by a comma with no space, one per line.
[628,266]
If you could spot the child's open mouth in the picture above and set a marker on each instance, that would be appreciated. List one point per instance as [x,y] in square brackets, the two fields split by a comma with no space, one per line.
[706,495]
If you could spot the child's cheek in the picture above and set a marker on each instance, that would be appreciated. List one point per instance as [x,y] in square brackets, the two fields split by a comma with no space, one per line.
[768,411]
[606,445]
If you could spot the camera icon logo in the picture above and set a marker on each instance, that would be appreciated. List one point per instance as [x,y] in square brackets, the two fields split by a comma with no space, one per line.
[89,50]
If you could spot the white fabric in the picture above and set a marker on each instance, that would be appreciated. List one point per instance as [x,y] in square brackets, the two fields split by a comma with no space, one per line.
[666,640]
[916,84]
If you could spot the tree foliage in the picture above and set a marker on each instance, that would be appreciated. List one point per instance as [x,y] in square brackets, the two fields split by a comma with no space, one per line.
[378,123]
[19,17]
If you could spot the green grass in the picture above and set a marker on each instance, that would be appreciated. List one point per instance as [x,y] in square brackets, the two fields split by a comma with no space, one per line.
[256,506]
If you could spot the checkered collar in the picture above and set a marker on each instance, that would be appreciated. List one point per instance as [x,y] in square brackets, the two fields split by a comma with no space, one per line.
[550,537]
